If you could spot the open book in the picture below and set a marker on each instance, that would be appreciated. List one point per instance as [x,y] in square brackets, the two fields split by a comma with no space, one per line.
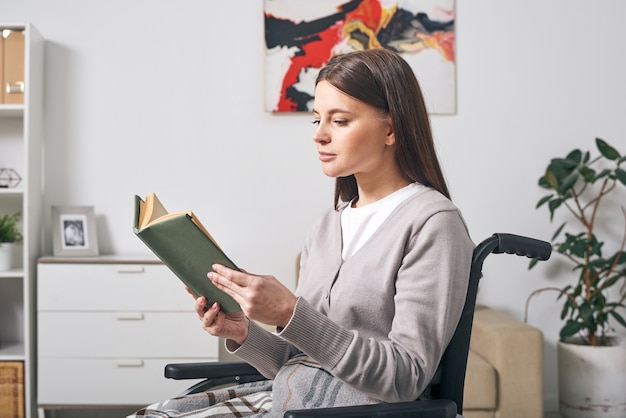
[185,246]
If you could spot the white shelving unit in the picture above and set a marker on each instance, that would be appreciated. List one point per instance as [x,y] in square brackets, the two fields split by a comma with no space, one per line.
[21,133]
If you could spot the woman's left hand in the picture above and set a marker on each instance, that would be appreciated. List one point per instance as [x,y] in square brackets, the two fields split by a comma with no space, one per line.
[262,298]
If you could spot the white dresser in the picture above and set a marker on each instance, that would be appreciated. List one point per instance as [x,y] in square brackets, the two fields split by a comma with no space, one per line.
[106,328]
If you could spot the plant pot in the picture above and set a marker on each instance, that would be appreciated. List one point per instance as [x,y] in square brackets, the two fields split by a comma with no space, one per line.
[592,380]
[7,255]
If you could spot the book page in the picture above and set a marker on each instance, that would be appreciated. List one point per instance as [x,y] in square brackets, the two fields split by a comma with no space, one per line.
[151,210]
[202,228]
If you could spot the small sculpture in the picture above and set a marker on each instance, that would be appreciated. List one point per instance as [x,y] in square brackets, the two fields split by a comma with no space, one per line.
[9,178]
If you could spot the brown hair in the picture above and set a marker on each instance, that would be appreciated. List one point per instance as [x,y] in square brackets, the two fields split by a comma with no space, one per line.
[383,79]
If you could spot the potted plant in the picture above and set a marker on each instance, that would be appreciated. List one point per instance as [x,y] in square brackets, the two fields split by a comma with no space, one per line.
[586,190]
[10,235]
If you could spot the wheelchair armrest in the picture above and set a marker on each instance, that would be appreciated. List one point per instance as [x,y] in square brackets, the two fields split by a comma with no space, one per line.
[181,371]
[213,374]
[437,408]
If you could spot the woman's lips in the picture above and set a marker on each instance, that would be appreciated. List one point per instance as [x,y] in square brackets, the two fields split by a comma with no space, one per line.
[325,156]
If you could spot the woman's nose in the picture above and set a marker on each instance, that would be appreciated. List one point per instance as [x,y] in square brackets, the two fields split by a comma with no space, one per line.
[320,135]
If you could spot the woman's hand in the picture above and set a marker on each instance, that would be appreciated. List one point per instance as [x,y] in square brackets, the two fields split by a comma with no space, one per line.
[262,298]
[233,326]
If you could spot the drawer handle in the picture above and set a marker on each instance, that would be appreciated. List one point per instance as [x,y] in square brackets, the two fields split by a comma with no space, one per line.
[129,269]
[129,363]
[129,316]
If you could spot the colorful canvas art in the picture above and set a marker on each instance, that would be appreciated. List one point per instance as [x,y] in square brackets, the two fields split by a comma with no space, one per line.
[302,35]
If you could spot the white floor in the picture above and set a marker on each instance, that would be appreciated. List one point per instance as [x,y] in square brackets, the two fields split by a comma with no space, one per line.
[120,413]
[91,413]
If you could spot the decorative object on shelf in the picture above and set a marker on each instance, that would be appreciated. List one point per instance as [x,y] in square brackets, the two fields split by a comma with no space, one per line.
[10,238]
[74,231]
[9,178]
[12,389]
[8,255]
[299,41]
[597,294]
[13,63]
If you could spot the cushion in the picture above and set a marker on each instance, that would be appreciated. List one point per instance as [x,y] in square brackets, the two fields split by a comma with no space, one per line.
[480,391]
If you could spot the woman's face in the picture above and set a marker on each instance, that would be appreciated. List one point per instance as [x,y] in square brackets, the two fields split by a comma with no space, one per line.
[352,137]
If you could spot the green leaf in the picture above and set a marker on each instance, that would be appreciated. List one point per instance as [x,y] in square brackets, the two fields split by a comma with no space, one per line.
[588,174]
[551,179]
[621,255]
[610,281]
[553,205]
[586,313]
[10,228]
[563,293]
[586,157]
[568,183]
[573,158]
[570,328]
[595,246]
[603,173]
[532,263]
[578,248]
[598,263]
[620,175]
[543,183]
[606,150]
[558,231]
[543,200]
[598,301]
[618,318]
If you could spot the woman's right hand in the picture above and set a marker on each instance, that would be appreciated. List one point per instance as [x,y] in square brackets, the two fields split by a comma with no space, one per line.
[232,326]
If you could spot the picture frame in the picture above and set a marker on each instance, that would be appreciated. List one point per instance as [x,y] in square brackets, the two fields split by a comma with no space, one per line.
[74,231]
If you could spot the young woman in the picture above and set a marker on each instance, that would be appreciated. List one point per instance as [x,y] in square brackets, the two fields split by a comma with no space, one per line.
[383,274]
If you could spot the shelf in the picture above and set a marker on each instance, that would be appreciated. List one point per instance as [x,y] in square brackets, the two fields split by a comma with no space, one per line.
[12,274]
[12,352]
[6,191]
[101,259]
[12,25]
[11,111]
[21,147]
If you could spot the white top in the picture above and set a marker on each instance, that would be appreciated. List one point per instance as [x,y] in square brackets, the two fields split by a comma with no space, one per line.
[358,224]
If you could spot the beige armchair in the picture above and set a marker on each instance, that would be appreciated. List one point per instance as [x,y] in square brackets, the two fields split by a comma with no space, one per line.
[505,368]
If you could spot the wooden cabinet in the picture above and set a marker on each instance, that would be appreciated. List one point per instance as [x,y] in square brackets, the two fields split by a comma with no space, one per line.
[107,326]
[21,131]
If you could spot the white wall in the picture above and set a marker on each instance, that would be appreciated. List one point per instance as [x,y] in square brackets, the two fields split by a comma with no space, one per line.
[167,96]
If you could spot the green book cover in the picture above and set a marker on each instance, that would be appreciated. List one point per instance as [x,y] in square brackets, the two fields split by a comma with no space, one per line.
[188,251]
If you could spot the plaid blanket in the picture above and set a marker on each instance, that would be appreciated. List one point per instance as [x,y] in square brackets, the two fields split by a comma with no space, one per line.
[246,400]
[300,384]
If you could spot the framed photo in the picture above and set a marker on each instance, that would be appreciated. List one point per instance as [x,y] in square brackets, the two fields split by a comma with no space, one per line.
[74,231]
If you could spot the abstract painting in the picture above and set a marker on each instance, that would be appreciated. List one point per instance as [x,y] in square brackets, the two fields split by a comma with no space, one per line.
[302,35]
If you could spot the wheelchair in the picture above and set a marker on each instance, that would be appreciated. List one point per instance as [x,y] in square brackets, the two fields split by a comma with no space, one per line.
[448,383]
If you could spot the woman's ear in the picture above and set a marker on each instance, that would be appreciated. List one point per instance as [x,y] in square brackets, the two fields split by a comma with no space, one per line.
[391,136]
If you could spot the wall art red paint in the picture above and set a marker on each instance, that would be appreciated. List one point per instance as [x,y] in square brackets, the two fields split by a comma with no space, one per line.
[302,35]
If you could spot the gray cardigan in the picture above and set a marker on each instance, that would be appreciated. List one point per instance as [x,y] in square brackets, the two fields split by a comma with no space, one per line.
[381,319]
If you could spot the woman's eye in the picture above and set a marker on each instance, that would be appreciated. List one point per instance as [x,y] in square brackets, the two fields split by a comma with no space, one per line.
[316,122]
[340,122]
